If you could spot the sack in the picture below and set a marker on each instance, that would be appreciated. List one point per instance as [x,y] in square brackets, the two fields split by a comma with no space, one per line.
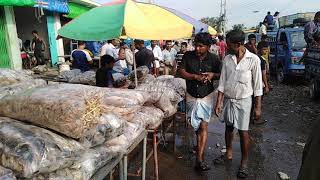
[87,77]
[28,149]
[9,76]
[148,116]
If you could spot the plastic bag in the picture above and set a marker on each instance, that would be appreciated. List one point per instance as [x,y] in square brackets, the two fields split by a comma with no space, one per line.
[108,127]
[148,116]
[121,143]
[6,174]
[87,77]
[28,149]
[142,73]
[21,86]
[90,162]
[40,69]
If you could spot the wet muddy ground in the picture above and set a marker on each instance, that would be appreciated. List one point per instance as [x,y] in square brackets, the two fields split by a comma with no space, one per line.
[276,146]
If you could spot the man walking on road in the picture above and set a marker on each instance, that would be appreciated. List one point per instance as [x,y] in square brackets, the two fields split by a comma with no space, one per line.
[200,68]
[240,79]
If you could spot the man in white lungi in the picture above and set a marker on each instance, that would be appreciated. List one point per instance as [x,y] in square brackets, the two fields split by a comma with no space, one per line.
[240,79]
[200,68]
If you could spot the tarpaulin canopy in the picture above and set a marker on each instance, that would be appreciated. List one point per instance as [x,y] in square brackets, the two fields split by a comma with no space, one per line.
[76,10]
[126,17]
[17,2]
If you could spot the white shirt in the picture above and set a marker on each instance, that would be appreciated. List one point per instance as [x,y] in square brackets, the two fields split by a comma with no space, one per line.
[109,49]
[157,53]
[239,81]
[263,29]
[129,56]
[169,56]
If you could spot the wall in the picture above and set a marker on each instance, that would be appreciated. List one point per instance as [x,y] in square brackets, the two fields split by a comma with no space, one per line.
[26,22]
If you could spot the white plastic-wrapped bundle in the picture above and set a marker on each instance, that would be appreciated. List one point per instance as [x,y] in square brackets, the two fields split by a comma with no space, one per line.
[148,116]
[121,143]
[21,86]
[142,73]
[90,162]
[40,69]
[71,109]
[87,77]
[27,149]
[9,76]
[68,75]
[6,174]
[165,93]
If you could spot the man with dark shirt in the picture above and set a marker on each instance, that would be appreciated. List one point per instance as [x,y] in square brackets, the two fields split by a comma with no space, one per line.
[38,46]
[269,19]
[200,68]
[144,57]
[104,74]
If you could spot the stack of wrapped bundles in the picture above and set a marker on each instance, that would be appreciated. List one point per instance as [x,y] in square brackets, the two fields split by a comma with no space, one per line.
[12,81]
[78,111]
[6,174]
[166,93]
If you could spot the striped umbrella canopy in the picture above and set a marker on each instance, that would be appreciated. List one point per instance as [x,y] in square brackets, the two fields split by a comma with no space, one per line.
[127,18]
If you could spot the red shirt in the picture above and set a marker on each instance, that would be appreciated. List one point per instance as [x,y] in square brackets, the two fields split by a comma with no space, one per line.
[222,50]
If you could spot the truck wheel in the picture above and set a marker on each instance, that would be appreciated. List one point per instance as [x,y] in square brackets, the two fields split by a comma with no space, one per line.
[314,89]
[280,75]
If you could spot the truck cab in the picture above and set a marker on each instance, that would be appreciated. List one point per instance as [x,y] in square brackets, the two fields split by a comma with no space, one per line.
[287,46]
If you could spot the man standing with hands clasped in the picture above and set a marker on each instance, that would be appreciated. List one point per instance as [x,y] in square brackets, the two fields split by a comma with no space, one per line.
[200,68]
[240,79]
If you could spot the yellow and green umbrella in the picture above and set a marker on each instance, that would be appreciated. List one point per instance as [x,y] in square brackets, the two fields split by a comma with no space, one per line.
[127,18]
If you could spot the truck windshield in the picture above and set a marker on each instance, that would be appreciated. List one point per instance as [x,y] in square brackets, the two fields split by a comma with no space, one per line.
[297,39]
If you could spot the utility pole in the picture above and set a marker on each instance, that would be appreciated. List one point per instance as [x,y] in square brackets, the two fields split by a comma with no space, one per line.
[223,16]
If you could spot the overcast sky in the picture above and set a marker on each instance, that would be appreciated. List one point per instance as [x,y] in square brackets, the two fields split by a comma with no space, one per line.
[239,11]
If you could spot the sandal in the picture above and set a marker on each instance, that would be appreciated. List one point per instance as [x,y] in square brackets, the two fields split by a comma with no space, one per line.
[202,166]
[221,160]
[243,173]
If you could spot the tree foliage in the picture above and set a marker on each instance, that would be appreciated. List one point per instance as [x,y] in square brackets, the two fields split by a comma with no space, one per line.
[238,27]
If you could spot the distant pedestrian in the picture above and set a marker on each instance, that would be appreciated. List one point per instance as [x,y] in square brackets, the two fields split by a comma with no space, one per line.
[214,48]
[38,46]
[222,45]
[276,20]
[183,50]
[310,28]
[144,57]
[157,53]
[252,44]
[240,79]
[81,58]
[269,19]
[169,58]
[263,28]
[110,48]
[200,68]
[266,54]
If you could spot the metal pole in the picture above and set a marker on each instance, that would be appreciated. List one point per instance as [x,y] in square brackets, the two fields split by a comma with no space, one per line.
[125,167]
[144,158]
[134,65]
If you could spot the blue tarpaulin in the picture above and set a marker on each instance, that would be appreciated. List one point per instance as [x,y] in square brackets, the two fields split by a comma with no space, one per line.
[59,6]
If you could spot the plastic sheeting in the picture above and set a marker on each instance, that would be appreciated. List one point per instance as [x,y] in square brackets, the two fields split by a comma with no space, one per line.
[21,86]
[89,163]
[28,149]
[166,93]
[6,174]
[148,116]
[9,76]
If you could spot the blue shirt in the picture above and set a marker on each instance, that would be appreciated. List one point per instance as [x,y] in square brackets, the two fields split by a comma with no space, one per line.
[94,47]
[269,19]
[80,60]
